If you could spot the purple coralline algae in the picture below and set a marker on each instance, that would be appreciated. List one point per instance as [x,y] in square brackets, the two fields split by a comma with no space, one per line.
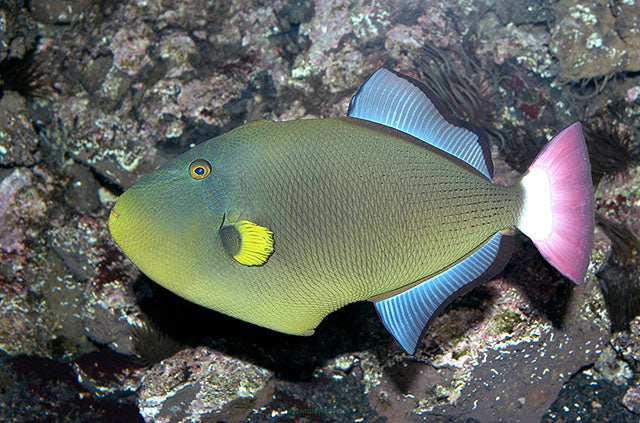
[108,305]
[11,241]
[129,46]
[632,94]
[23,326]
[336,33]
[54,267]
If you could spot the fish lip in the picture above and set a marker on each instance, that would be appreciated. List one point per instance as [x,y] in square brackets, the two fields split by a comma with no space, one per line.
[114,213]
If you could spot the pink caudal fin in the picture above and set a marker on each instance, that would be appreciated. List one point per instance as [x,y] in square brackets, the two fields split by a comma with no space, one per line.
[558,211]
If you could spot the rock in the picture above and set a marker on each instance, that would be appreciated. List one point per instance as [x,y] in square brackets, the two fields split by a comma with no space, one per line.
[203,385]
[631,399]
[504,359]
[591,39]
[24,328]
[61,278]
[523,11]
[18,138]
[296,12]
[587,399]
[18,33]
[60,11]
[83,188]
[39,389]
[627,345]
[95,72]
[108,374]
[612,368]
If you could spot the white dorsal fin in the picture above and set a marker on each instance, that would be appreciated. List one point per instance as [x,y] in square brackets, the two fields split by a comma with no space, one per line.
[395,100]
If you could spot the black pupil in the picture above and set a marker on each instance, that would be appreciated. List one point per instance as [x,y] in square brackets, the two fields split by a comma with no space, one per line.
[199,170]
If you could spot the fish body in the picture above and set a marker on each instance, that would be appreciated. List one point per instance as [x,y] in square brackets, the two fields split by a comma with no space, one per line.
[280,224]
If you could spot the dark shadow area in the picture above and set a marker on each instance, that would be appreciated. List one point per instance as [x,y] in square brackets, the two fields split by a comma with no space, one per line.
[49,391]
[618,280]
[405,376]
[476,300]
[548,291]
[355,327]
[27,76]
[575,402]
[621,292]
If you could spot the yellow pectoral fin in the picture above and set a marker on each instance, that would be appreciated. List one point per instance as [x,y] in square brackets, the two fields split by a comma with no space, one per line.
[248,243]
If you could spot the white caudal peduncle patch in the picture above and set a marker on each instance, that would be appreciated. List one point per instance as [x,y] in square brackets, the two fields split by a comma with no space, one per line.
[536,220]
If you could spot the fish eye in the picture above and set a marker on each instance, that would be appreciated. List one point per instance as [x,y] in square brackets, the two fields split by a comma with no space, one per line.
[199,169]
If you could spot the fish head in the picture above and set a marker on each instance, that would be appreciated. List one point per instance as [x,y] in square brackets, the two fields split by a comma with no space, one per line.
[167,223]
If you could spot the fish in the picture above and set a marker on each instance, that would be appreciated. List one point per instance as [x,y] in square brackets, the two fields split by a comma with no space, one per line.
[281,223]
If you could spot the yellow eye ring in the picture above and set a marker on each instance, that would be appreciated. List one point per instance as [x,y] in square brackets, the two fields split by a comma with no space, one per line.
[199,169]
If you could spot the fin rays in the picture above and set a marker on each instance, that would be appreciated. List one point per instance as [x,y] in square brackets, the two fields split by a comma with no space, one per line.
[397,101]
[248,243]
[406,314]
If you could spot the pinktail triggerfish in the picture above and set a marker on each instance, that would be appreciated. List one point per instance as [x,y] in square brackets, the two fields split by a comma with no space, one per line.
[281,223]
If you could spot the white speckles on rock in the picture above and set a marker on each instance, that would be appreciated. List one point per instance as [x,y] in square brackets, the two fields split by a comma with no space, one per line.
[367,362]
[594,41]
[610,367]
[338,63]
[473,374]
[591,39]
[198,385]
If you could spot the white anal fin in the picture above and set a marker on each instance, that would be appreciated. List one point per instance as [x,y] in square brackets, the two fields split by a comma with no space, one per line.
[406,315]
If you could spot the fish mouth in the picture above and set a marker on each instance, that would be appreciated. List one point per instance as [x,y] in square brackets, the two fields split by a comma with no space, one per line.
[117,223]
[113,217]
[125,226]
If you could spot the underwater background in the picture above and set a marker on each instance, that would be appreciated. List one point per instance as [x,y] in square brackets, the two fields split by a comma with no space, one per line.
[94,94]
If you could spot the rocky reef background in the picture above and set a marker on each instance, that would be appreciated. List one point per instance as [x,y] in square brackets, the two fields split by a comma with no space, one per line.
[94,94]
